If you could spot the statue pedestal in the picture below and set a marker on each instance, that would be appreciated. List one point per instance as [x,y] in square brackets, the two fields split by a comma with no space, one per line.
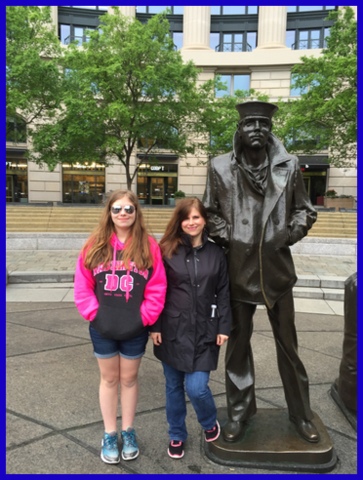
[271,442]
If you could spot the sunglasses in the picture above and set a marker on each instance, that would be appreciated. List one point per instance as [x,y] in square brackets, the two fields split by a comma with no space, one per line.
[129,209]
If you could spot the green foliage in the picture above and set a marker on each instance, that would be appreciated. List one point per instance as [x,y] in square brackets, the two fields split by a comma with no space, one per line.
[126,84]
[326,115]
[32,73]
[331,193]
[129,84]
[179,194]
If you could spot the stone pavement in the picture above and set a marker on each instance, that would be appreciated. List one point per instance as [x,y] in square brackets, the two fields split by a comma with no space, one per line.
[320,277]
[54,425]
[64,260]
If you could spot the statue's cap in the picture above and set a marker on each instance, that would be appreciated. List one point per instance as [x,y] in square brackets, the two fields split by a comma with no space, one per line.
[256,109]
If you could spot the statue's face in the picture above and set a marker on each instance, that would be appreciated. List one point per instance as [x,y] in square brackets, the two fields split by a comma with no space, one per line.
[254,132]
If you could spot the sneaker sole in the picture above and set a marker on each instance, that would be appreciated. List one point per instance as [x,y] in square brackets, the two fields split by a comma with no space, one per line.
[175,456]
[130,458]
[110,462]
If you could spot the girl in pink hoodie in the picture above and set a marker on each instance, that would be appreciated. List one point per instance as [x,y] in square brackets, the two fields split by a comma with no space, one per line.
[120,287]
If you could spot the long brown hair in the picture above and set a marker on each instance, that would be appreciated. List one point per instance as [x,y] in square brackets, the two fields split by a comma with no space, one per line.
[98,248]
[172,237]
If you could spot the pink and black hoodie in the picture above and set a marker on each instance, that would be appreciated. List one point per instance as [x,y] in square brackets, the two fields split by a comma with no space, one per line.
[118,300]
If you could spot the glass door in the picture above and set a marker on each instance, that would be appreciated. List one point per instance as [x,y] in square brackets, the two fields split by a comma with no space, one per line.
[157,190]
[9,188]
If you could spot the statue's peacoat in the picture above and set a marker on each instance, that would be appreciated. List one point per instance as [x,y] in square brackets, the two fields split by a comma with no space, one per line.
[261,267]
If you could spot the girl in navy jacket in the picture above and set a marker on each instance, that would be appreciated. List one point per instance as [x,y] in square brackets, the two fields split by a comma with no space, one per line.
[195,321]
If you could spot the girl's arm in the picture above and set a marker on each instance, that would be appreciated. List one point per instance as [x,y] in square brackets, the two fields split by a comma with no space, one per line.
[84,291]
[155,290]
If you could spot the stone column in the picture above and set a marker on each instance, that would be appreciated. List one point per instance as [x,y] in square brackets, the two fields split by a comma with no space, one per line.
[272,27]
[196,27]
[54,17]
[127,11]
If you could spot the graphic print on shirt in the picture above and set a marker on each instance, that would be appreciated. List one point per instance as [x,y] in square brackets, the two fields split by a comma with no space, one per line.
[114,281]
[124,282]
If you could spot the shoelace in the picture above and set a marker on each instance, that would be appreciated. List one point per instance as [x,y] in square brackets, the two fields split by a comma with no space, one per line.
[111,442]
[129,439]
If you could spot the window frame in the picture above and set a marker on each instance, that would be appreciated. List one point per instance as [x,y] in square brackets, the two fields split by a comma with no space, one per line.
[20,134]
[231,89]
[307,21]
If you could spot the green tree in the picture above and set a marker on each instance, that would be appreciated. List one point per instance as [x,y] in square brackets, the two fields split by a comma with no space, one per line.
[325,116]
[127,84]
[32,73]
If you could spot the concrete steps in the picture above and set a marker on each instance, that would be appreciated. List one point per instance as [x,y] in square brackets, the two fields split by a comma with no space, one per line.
[72,219]
[335,225]
[28,218]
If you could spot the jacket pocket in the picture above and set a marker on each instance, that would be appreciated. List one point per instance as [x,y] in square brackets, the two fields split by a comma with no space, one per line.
[113,323]
[211,330]
[170,321]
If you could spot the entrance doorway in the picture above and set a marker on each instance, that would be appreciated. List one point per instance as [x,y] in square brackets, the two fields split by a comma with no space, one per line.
[157,190]
[315,185]
[17,180]
[156,184]
[314,169]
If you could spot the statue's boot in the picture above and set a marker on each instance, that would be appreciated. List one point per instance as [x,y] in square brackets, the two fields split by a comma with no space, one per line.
[233,431]
[306,429]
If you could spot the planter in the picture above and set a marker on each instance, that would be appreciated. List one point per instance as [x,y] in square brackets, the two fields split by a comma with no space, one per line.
[330,202]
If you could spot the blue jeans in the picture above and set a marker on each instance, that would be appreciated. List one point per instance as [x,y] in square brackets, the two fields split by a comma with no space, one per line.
[200,395]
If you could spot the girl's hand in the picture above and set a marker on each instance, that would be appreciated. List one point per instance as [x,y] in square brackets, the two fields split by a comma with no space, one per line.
[221,339]
[156,337]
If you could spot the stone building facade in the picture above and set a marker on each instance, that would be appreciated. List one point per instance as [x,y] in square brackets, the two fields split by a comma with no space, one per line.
[252,47]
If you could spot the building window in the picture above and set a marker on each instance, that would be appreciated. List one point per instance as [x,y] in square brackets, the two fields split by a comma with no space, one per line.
[305,139]
[83,183]
[234,33]
[307,29]
[243,10]
[153,10]
[174,16]
[233,42]
[294,90]
[73,33]
[102,7]
[312,8]
[307,39]
[233,83]
[177,40]
[73,23]
[15,130]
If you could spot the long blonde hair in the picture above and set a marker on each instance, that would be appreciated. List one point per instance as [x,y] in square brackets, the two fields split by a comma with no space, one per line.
[172,237]
[98,248]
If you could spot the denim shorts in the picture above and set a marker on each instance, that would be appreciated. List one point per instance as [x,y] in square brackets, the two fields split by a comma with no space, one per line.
[108,348]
